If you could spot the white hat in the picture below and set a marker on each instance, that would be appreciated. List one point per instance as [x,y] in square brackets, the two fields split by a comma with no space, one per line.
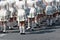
[21,12]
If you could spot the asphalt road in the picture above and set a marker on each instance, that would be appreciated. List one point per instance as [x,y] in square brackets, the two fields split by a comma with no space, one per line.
[46,34]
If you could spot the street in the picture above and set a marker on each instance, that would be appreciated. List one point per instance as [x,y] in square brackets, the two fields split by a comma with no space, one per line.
[45,34]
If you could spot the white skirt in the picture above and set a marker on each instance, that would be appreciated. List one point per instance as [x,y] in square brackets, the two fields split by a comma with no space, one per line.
[31,16]
[20,19]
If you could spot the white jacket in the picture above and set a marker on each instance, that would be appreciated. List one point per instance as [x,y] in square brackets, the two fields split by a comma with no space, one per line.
[19,4]
[11,9]
[30,3]
[32,12]
[21,15]
[39,10]
[3,14]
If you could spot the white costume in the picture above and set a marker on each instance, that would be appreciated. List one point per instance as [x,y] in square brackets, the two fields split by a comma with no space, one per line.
[10,6]
[11,1]
[58,8]
[54,7]
[30,3]
[21,18]
[19,4]
[3,17]
[40,9]
[20,15]
[55,14]
[3,14]
[32,13]
[11,9]
[48,12]
[39,14]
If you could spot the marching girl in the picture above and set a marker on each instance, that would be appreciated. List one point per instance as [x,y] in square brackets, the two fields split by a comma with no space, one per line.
[3,14]
[40,11]
[39,14]
[55,13]
[11,10]
[49,13]
[31,16]
[58,9]
[21,20]
[20,16]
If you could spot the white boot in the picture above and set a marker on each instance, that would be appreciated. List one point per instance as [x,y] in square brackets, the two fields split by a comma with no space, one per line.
[20,28]
[1,28]
[57,17]
[4,30]
[23,29]
[39,21]
[54,20]
[47,22]
[36,20]
[28,25]
[32,25]
[9,27]
[51,22]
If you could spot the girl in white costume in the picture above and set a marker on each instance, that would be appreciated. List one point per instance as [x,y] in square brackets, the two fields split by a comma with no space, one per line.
[40,10]
[39,15]
[11,7]
[31,16]
[58,9]
[3,15]
[20,15]
[49,13]
[21,20]
[55,14]
[11,10]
